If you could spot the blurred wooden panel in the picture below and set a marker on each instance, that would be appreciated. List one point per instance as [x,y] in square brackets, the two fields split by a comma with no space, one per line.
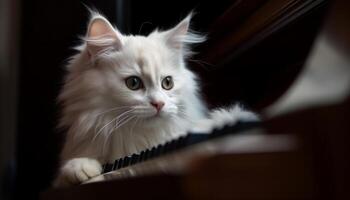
[244,62]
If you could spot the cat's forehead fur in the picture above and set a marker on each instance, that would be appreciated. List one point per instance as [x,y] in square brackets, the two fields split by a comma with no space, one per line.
[146,51]
[146,56]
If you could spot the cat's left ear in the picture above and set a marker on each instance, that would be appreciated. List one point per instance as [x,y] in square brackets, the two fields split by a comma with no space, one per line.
[101,36]
[181,36]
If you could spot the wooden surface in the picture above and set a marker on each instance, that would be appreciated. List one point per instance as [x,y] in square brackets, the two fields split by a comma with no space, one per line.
[274,175]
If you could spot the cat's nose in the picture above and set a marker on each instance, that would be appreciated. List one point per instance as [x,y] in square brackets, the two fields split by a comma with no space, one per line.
[157,104]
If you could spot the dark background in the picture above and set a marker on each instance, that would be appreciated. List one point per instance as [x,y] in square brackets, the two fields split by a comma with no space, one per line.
[49,30]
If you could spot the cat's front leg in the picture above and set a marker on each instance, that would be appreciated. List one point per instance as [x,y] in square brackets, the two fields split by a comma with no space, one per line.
[77,170]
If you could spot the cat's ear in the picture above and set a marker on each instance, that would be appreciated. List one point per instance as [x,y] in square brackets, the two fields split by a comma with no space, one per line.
[180,36]
[101,37]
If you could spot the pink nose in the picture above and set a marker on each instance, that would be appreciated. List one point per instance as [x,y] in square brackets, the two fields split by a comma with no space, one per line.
[157,104]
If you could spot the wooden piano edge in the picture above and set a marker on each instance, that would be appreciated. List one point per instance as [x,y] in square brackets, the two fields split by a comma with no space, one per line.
[277,175]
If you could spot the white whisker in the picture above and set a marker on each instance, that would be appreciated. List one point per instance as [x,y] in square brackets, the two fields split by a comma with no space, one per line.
[124,122]
[98,116]
[113,109]
[132,127]
[116,118]
[113,130]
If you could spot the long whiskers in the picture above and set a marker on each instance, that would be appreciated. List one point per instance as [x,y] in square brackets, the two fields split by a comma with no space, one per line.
[132,127]
[102,114]
[112,109]
[121,123]
[108,123]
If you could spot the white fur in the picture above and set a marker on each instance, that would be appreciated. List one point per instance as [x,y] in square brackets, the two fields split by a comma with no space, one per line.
[105,119]
[220,117]
[77,170]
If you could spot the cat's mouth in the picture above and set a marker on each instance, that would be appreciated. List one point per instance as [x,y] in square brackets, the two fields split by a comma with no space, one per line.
[153,114]
[157,115]
[153,119]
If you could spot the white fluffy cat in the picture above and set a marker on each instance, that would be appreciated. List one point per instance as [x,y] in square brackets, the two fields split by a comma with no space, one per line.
[126,93]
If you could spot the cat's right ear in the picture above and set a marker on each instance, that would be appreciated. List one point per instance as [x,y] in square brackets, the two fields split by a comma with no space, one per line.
[101,37]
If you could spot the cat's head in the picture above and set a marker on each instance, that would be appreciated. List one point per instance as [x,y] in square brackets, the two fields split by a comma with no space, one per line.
[144,76]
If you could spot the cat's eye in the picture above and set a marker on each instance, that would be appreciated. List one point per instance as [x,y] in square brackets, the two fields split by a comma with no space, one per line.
[134,83]
[167,83]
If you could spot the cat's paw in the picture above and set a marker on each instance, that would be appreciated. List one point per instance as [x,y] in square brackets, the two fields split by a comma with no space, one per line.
[77,170]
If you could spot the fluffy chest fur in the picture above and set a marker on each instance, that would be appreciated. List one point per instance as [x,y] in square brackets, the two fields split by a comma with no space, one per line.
[137,137]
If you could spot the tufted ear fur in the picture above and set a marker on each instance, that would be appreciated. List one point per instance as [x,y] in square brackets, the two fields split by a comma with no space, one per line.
[180,36]
[101,37]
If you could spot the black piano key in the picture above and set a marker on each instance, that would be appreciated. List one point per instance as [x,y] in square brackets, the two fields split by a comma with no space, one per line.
[115,165]
[126,161]
[147,154]
[160,149]
[120,163]
[169,146]
[249,124]
[156,151]
[104,168]
[142,156]
[216,132]
[139,158]
[153,152]
[107,168]
[110,167]
[181,142]
[134,158]
[173,145]
[166,147]
[194,138]
[184,141]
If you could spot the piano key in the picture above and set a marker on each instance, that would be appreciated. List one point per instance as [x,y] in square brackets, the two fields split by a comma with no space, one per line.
[104,168]
[158,150]
[166,147]
[120,163]
[181,142]
[153,152]
[171,146]
[115,164]
[147,154]
[126,161]
[142,156]
[108,167]
[134,158]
